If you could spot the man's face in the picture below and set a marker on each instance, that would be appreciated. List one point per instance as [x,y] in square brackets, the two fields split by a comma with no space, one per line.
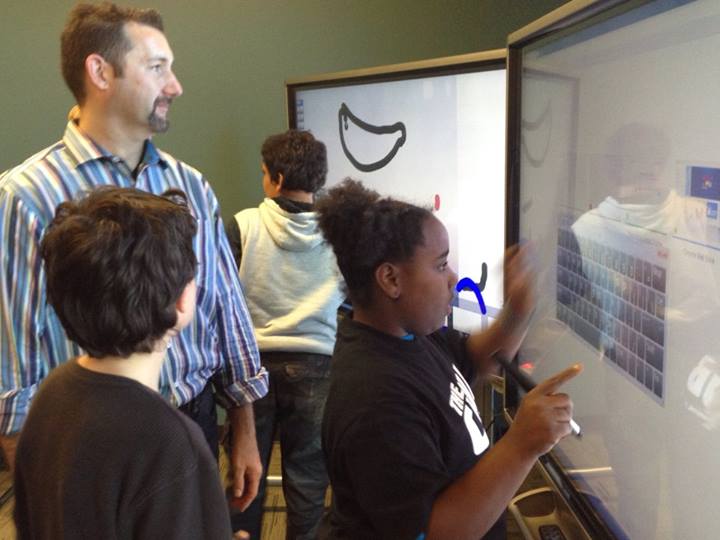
[142,96]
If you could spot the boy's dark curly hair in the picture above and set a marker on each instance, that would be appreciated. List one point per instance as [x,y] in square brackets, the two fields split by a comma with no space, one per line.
[366,230]
[300,158]
[116,262]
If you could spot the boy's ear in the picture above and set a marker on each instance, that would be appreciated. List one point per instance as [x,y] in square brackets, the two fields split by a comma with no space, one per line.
[280,181]
[185,305]
[387,276]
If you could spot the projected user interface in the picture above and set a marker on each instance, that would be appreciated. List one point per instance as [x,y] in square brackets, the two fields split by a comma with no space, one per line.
[611,293]
[620,192]
[438,141]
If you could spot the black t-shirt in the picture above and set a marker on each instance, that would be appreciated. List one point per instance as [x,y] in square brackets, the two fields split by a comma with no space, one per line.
[400,425]
[102,456]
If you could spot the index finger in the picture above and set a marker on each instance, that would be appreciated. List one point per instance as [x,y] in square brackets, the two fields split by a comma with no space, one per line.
[522,252]
[511,254]
[551,384]
[520,264]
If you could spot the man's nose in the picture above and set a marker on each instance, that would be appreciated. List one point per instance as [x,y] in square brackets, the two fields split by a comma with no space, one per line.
[173,88]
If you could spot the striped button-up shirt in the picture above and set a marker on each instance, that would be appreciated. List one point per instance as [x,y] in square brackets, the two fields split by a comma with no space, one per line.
[217,346]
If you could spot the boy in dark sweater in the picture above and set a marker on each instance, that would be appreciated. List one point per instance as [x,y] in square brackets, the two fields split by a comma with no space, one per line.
[101,454]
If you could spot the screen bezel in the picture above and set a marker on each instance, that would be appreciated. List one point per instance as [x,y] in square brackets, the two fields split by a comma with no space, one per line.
[564,19]
[450,65]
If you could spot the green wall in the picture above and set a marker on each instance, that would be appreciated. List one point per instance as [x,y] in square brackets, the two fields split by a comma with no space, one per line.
[232,57]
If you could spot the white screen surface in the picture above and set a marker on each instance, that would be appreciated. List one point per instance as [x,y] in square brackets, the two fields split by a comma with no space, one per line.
[620,185]
[452,158]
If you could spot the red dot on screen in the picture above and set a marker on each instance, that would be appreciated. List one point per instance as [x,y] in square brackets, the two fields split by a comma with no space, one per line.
[437,202]
[527,366]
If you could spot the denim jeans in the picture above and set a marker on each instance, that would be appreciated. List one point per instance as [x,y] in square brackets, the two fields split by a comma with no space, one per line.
[294,407]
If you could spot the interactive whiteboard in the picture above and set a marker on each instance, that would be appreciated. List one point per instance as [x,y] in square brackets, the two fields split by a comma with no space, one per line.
[434,136]
[619,185]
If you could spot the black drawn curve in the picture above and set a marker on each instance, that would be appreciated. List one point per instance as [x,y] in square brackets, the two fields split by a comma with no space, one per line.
[545,116]
[344,114]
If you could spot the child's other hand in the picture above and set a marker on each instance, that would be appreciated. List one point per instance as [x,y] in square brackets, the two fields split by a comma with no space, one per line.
[520,280]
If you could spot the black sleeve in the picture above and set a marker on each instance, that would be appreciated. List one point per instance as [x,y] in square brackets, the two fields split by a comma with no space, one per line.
[232,230]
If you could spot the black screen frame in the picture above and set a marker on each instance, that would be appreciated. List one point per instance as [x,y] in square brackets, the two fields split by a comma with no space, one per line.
[490,60]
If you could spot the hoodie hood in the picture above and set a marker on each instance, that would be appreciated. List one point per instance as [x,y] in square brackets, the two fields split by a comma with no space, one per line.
[658,217]
[290,231]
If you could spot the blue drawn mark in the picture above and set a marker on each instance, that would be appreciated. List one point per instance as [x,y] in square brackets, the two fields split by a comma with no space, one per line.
[467,283]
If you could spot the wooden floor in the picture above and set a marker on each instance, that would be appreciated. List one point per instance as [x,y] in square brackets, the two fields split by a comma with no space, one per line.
[7,528]
[273,527]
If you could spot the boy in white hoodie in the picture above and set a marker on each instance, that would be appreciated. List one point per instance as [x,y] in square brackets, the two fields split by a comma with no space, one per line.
[293,289]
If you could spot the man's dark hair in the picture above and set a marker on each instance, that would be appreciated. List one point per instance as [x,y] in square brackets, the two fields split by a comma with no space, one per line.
[100,29]
[116,262]
[365,231]
[300,158]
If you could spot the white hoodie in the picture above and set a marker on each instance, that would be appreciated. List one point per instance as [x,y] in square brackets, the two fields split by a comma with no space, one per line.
[290,279]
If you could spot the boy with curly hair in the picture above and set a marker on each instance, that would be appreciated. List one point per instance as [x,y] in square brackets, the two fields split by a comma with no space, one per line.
[292,287]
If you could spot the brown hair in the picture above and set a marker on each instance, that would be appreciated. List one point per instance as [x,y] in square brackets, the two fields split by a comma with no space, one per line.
[99,29]
[299,157]
[116,262]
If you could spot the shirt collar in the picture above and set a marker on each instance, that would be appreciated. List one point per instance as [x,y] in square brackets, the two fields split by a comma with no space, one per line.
[82,149]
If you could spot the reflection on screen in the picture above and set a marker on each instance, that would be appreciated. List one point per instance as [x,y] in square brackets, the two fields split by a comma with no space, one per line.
[620,185]
[611,287]
[438,141]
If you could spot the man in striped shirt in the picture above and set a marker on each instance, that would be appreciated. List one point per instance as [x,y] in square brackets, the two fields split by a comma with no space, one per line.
[118,64]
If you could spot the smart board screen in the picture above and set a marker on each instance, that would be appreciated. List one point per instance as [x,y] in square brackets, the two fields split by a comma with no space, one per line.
[619,191]
[438,141]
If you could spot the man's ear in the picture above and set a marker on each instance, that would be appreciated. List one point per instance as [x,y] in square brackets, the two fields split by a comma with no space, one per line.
[98,71]
[387,277]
